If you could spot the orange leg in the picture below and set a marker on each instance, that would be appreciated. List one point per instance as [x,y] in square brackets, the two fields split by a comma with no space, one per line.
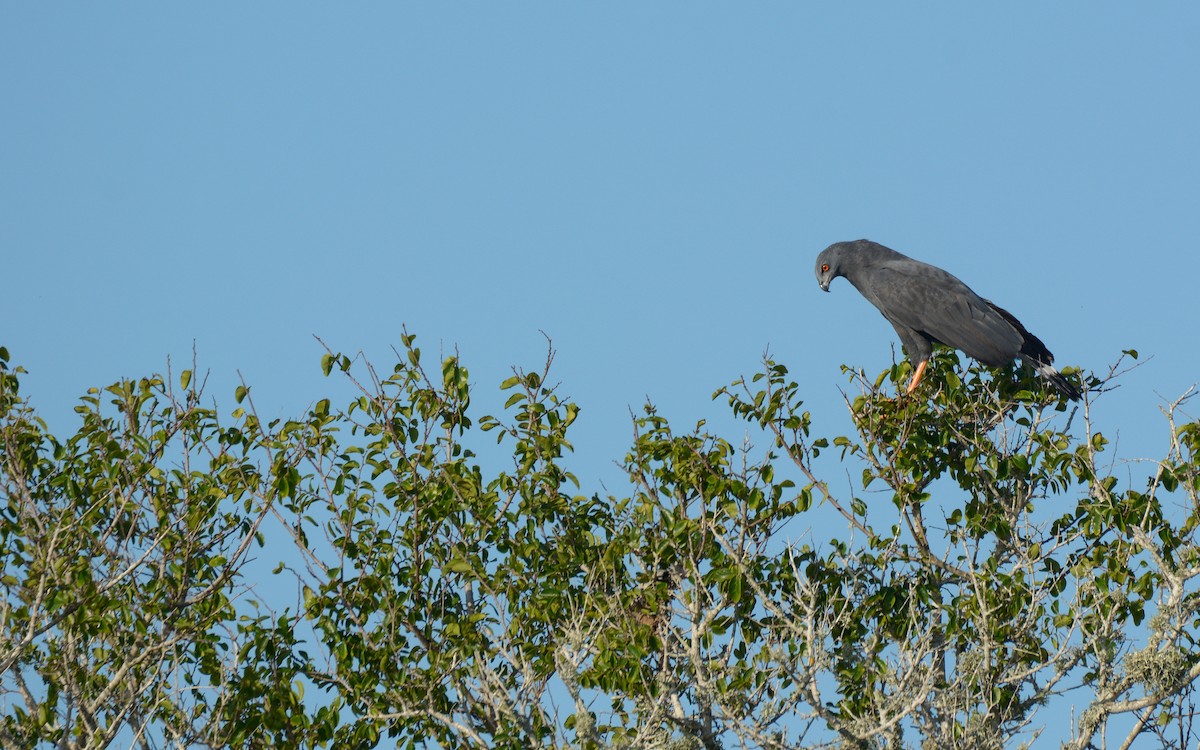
[917,376]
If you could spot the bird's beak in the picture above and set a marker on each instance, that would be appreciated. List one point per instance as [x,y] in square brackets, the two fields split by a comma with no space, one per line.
[824,285]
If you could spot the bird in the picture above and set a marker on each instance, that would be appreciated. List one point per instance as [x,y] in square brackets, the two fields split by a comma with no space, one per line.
[927,305]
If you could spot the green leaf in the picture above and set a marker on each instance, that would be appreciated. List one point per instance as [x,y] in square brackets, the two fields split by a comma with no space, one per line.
[185,379]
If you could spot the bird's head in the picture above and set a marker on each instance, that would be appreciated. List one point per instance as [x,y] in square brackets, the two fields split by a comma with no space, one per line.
[845,258]
[829,264]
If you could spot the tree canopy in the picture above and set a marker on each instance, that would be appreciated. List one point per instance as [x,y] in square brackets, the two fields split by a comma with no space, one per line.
[994,580]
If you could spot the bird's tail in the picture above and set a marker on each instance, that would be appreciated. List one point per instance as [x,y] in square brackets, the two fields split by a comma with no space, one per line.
[1056,378]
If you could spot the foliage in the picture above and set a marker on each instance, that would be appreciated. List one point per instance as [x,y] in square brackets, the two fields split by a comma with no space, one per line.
[991,566]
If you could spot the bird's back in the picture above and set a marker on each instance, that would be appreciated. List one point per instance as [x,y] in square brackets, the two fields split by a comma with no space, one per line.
[934,303]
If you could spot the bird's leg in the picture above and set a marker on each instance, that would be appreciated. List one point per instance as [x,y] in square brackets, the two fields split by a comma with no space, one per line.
[912,386]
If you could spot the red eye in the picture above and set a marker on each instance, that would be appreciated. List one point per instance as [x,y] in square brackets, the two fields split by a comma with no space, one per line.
[824,268]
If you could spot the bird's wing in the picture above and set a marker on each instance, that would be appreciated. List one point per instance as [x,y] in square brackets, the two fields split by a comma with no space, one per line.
[935,303]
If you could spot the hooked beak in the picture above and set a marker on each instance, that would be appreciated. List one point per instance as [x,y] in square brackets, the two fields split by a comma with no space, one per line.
[824,285]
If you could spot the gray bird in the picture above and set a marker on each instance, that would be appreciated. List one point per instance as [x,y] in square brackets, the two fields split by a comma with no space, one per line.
[928,306]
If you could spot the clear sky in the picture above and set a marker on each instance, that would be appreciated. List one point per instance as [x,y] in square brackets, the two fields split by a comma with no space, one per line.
[647,183]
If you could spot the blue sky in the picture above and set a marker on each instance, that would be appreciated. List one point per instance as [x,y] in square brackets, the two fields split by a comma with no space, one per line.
[648,184]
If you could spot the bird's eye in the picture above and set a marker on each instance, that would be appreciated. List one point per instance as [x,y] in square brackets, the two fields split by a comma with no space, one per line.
[824,268]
